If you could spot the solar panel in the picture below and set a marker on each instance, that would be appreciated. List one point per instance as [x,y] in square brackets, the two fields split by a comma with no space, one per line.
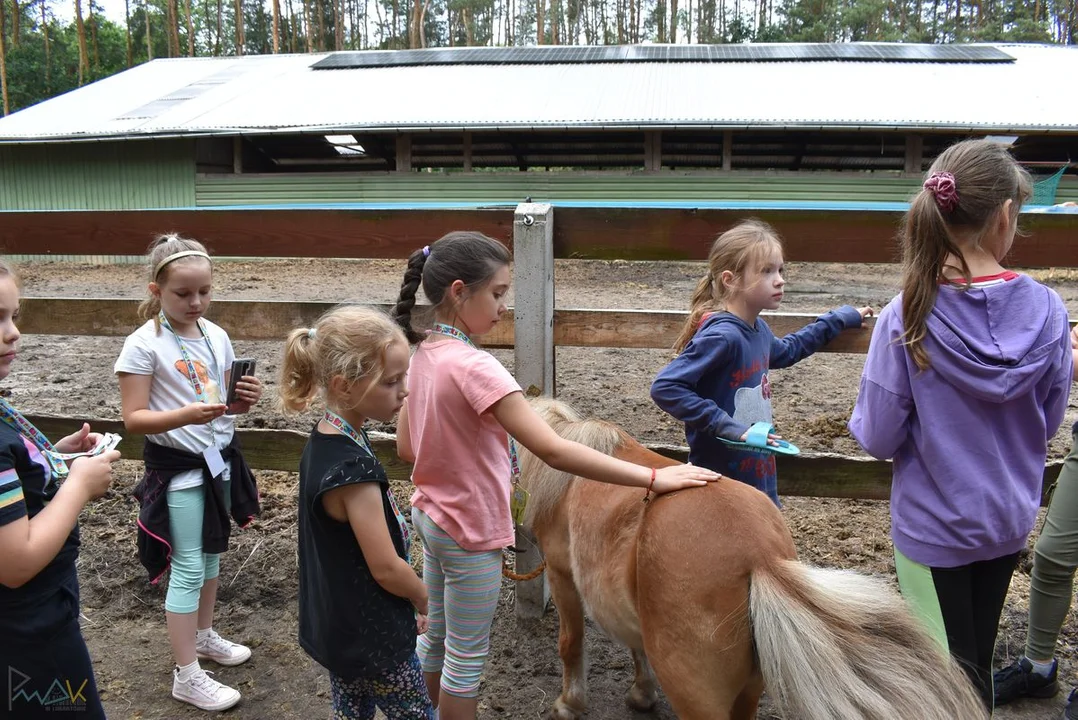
[746,52]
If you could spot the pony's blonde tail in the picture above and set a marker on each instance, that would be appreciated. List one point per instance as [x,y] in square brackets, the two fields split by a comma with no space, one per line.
[838,645]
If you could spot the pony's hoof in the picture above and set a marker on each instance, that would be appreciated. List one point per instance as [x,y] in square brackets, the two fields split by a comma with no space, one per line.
[642,700]
[564,711]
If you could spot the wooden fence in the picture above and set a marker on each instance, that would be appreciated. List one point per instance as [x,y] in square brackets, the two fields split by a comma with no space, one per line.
[534,326]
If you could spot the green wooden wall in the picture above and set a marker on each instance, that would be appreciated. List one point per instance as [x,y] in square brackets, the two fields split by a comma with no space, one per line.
[512,187]
[134,175]
[161,174]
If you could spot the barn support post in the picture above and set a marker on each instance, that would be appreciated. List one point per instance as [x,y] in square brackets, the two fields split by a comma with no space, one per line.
[404,153]
[915,148]
[533,360]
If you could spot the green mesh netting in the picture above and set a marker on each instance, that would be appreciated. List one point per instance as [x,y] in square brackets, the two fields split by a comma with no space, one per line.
[1044,190]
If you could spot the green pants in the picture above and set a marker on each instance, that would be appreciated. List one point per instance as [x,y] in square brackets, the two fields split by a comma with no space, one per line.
[1055,559]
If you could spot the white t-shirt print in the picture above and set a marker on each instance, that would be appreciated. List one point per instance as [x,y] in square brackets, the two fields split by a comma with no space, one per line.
[148,351]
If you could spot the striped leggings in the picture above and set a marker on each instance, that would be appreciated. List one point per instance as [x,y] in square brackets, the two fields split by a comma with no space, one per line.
[463,587]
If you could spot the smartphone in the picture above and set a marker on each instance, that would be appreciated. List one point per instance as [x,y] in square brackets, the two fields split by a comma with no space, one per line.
[240,367]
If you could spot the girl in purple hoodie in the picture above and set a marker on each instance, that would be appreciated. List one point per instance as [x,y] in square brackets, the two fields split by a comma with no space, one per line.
[966,381]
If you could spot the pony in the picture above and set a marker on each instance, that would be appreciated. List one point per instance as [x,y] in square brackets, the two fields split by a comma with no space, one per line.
[704,588]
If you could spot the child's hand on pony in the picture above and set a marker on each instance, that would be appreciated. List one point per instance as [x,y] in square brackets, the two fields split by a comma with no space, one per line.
[866,312]
[678,477]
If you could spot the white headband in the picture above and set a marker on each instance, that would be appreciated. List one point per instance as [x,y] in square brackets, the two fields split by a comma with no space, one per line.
[176,256]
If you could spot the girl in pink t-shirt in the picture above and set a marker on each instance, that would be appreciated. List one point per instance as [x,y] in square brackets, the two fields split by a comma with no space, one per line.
[454,427]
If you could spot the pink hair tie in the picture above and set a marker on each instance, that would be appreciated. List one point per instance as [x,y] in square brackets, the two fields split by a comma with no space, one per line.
[942,187]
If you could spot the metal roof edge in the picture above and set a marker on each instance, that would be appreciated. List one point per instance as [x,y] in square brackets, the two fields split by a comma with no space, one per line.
[540,127]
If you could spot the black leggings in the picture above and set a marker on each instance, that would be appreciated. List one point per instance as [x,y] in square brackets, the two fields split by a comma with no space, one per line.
[971,600]
[45,669]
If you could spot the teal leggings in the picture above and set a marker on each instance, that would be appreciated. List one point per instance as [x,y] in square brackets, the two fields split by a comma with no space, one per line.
[190,567]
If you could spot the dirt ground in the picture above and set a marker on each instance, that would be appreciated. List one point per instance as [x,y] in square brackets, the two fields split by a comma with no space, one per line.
[123,613]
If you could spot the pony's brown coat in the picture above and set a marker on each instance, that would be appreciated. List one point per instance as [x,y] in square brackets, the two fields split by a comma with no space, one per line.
[694,580]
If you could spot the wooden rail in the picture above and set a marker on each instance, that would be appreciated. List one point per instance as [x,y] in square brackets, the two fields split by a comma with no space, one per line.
[806,475]
[273,319]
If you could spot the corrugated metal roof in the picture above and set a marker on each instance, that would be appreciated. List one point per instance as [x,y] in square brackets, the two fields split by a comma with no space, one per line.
[280,93]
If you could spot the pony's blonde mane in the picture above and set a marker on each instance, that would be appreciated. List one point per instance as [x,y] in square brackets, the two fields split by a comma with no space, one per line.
[546,485]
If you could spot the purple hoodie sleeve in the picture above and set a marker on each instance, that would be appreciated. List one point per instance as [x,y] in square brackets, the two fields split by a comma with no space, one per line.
[1055,405]
[884,402]
[675,387]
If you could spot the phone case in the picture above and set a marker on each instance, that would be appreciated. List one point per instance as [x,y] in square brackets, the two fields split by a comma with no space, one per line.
[240,367]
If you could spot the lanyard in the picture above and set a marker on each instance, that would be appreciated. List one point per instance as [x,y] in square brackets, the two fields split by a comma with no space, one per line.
[24,427]
[360,438]
[345,428]
[192,374]
[450,331]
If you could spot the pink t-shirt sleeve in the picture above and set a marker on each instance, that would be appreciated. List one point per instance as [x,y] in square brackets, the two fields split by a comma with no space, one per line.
[484,381]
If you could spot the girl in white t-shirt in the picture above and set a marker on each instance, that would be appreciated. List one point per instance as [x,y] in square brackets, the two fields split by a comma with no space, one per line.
[173,372]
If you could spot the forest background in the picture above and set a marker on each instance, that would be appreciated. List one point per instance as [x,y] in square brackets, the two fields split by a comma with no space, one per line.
[48,47]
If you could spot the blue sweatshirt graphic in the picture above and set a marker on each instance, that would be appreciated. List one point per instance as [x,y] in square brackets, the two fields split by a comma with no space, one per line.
[718,386]
[969,435]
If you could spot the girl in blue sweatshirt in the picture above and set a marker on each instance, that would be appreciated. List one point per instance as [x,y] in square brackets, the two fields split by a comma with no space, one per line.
[718,383]
[965,382]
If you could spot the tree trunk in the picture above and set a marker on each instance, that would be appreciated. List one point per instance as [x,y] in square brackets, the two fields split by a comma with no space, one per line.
[291,27]
[80,28]
[673,21]
[276,26]
[320,14]
[3,61]
[16,18]
[539,21]
[220,28]
[48,53]
[423,24]
[149,37]
[127,31]
[173,20]
[338,27]
[190,32]
[307,25]
[413,24]
[93,37]
[240,39]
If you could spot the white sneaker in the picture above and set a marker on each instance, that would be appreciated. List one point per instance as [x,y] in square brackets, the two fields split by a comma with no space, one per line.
[221,651]
[203,692]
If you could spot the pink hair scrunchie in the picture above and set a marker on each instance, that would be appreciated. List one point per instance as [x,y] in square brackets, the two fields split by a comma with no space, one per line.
[942,187]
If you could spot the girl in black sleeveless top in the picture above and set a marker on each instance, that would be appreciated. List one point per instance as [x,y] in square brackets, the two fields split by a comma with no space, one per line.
[360,602]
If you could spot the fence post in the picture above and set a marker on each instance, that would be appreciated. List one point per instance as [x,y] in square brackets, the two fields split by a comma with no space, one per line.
[533,358]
